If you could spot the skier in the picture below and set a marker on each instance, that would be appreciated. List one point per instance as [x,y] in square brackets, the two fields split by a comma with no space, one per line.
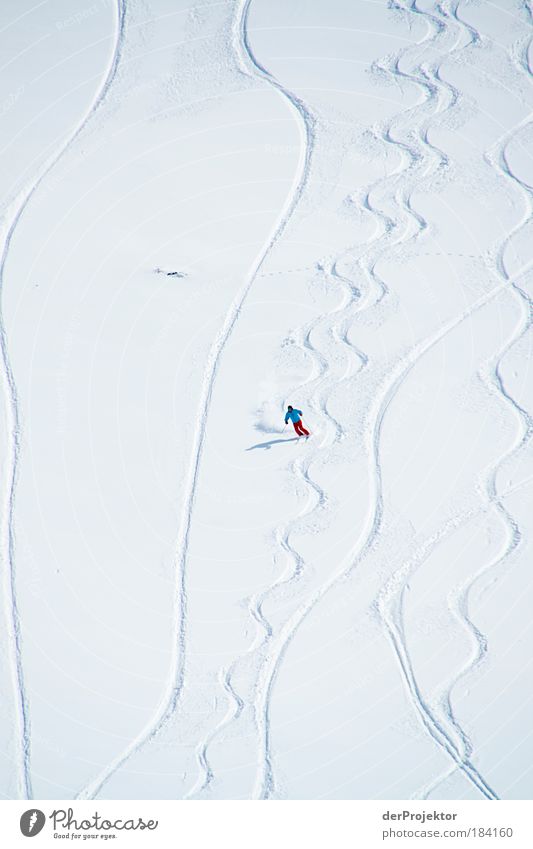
[294,416]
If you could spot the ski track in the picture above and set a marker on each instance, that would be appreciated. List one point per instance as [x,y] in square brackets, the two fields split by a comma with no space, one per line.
[250,68]
[389,603]
[411,220]
[440,96]
[492,378]
[13,215]
[434,86]
[300,469]
[495,384]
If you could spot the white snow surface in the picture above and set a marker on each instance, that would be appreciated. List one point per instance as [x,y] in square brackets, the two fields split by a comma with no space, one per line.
[211,210]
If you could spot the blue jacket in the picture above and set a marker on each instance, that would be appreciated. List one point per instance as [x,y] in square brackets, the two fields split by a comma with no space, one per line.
[293,415]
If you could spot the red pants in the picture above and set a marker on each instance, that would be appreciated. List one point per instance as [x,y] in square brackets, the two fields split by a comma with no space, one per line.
[300,429]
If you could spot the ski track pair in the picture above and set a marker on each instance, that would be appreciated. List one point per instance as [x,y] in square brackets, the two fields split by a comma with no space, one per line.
[13,216]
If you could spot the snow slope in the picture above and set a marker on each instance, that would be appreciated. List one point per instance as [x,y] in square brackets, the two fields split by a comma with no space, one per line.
[211,210]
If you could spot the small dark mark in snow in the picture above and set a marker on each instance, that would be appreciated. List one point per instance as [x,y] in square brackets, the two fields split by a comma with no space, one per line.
[170,273]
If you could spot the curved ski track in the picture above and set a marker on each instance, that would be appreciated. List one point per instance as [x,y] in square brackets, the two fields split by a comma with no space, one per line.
[492,378]
[390,602]
[414,226]
[13,215]
[390,608]
[423,161]
[249,67]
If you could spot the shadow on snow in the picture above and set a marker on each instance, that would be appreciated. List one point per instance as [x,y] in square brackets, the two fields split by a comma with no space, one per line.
[270,443]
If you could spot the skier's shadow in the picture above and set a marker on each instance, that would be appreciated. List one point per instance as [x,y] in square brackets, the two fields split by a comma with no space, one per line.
[268,445]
